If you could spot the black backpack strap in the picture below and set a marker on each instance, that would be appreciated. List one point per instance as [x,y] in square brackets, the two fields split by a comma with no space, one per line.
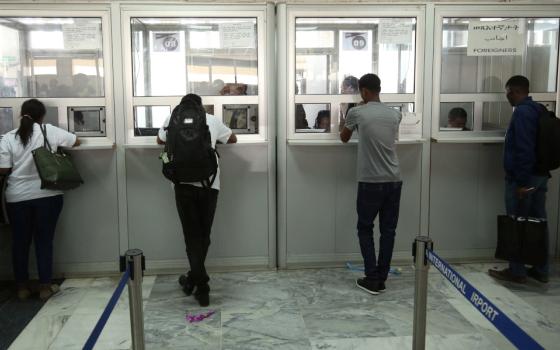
[207,183]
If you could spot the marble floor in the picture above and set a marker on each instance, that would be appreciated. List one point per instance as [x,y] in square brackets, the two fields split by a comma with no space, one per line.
[297,309]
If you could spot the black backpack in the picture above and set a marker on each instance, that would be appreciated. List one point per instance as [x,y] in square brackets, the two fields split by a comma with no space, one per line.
[548,141]
[188,154]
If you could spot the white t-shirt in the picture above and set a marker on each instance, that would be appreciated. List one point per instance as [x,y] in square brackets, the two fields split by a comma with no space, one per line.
[218,132]
[24,182]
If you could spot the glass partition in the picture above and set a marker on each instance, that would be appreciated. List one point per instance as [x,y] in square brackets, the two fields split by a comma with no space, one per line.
[173,53]
[329,55]
[242,119]
[149,119]
[51,57]
[205,56]
[332,53]
[464,73]
[313,118]
[61,58]
[456,116]
[478,55]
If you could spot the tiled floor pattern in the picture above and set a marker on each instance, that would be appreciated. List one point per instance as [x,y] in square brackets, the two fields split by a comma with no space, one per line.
[299,309]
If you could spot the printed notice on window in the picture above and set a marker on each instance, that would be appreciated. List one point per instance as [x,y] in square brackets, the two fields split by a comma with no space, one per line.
[237,35]
[503,38]
[81,36]
[395,31]
[411,126]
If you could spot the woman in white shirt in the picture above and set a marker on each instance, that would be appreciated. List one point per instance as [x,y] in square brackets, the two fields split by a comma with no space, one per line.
[33,212]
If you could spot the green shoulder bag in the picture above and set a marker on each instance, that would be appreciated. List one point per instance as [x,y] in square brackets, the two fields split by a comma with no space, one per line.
[56,170]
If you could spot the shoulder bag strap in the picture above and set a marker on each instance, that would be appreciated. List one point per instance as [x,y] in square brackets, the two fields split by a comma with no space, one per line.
[46,143]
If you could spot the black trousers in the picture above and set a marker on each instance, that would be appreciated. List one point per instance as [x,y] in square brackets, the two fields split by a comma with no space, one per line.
[196,207]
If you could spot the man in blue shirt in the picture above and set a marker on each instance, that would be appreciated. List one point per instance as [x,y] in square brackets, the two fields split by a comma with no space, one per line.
[526,185]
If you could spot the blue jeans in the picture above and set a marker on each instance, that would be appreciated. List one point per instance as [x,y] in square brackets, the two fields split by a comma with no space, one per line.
[533,206]
[383,199]
[34,219]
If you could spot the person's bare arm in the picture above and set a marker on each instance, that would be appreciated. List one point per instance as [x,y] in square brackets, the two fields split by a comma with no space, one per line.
[345,134]
[159,141]
[232,138]
[77,142]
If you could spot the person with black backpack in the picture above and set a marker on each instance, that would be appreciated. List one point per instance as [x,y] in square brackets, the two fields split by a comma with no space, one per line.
[529,155]
[190,161]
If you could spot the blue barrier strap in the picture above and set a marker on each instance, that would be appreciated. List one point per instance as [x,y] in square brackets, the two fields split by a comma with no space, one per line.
[90,343]
[504,324]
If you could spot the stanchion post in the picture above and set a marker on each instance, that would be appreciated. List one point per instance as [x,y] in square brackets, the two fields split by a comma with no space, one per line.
[420,291]
[135,263]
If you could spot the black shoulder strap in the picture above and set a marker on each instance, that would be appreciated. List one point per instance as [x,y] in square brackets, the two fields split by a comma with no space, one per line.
[539,108]
[46,143]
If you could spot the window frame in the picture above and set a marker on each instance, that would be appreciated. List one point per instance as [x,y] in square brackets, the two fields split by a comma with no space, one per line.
[62,103]
[416,97]
[164,11]
[480,11]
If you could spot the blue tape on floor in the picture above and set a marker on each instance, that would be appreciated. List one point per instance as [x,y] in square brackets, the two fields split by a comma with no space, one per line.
[90,343]
[352,267]
[504,324]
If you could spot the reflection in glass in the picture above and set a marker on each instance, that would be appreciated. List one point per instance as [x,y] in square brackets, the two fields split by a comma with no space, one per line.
[149,119]
[551,106]
[51,57]
[363,45]
[401,107]
[209,109]
[51,117]
[312,118]
[242,119]
[6,120]
[86,121]
[471,74]
[205,56]
[456,116]
[343,112]
[496,115]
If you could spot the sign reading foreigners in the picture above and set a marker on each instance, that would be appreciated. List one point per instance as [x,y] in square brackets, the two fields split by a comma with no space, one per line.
[503,38]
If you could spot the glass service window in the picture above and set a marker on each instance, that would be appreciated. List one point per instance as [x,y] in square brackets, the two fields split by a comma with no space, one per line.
[205,56]
[333,53]
[456,116]
[242,119]
[209,109]
[51,57]
[462,73]
[477,83]
[87,121]
[313,118]
[149,119]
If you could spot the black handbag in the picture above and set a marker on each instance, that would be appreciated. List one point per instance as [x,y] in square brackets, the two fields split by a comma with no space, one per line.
[522,240]
[56,170]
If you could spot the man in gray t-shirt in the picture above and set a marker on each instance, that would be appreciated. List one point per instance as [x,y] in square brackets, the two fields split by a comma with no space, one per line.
[379,179]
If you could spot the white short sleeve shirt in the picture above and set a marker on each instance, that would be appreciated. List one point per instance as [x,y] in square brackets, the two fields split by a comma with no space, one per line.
[218,132]
[23,181]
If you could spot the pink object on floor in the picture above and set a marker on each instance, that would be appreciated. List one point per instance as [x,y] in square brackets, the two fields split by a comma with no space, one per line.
[199,317]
